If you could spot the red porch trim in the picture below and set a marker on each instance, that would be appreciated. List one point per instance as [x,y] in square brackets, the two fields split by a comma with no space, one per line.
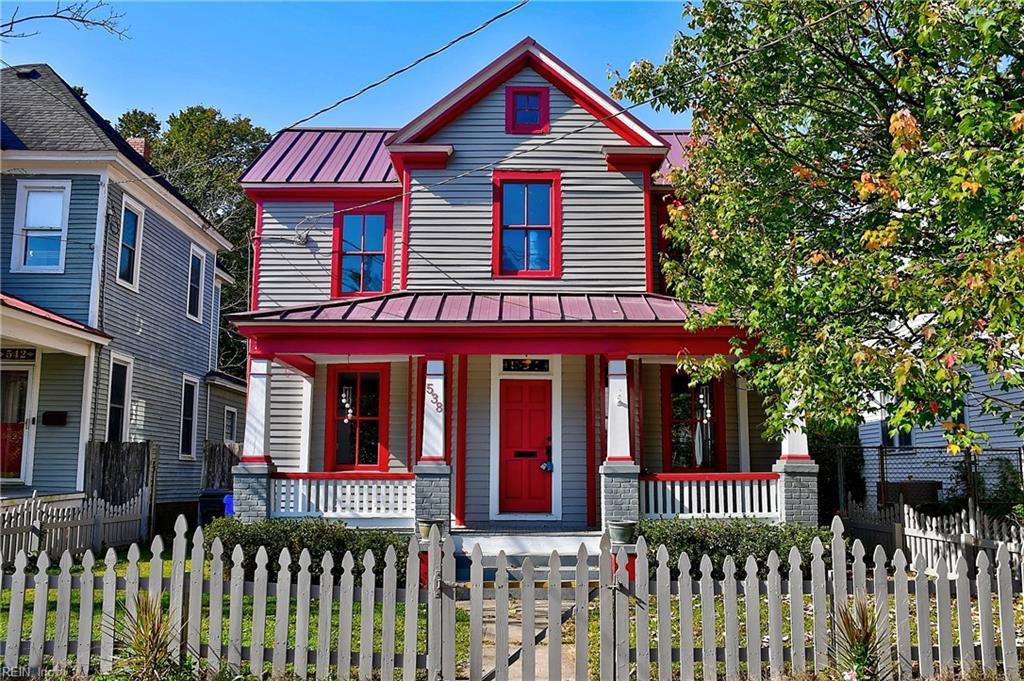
[383,418]
[696,477]
[346,475]
[460,442]
[300,363]
[649,256]
[591,446]
[403,277]
[254,296]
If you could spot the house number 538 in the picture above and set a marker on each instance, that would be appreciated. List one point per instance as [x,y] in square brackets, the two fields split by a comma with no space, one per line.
[435,400]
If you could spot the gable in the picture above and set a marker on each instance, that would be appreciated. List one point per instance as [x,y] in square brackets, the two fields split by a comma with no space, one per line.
[528,54]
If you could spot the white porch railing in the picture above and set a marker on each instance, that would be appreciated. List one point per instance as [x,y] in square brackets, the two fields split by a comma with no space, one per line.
[387,500]
[709,495]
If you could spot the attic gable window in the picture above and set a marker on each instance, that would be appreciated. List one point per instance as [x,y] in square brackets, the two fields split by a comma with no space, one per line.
[527,111]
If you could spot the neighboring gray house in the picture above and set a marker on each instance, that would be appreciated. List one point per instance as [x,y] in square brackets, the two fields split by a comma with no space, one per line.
[111,297]
[916,463]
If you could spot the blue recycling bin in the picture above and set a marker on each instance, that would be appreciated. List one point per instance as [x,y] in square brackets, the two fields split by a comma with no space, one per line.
[229,504]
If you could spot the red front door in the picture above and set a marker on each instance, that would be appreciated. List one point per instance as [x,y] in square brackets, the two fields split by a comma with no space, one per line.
[525,450]
[13,398]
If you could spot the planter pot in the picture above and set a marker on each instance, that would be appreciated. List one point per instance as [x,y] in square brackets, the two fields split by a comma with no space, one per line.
[424,527]
[622,531]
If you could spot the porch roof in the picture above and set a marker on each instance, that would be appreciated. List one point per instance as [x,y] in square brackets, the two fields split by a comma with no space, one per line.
[475,307]
[29,323]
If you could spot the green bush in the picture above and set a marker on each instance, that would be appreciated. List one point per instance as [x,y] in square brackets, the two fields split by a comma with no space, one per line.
[738,538]
[315,534]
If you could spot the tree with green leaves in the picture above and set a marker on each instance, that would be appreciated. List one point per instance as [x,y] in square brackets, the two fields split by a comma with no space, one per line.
[203,153]
[853,200]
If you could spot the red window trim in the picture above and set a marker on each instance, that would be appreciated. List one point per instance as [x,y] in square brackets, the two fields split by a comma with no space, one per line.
[543,124]
[499,177]
[421,390]
[383,421]
[718,395]
[342,208]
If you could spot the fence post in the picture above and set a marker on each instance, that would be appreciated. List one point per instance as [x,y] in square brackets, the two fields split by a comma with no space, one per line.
[97,527]
[35,534]
[883,485]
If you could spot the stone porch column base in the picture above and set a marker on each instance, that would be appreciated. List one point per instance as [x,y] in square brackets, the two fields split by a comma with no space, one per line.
[798,490]
[252,490]
[434,492]
[620,492]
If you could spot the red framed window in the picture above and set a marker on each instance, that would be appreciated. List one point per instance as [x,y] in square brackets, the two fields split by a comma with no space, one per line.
[362,251]
[357,417]
[527,110]
[693,423]
[527,224]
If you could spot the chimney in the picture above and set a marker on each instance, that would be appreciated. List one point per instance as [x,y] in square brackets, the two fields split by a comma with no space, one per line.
[141,145]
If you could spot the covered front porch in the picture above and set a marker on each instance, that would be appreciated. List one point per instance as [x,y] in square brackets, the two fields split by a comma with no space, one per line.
[523,427]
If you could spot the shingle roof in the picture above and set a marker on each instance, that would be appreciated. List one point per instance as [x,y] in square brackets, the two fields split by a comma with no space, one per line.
[411,307]
[42,113]
[324,155]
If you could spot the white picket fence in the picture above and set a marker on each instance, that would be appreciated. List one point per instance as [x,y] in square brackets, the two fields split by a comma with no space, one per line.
[723,495]
[35,525]
[741,626]
[359,502]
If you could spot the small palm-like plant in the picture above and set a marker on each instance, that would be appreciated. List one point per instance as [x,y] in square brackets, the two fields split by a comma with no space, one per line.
[858,649]
[147,642]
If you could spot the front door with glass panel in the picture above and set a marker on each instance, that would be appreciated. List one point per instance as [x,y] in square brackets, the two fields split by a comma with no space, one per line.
[14,386]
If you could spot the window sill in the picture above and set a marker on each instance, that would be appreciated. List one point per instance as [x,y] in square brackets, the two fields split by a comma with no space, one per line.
[37,270]
[357,294]
[134,288]
[527,275]
[187,457]
[197,320]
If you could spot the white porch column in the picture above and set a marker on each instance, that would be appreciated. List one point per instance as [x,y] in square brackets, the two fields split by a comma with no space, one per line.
[620,482]
[798,476]
[432,448]
[618,412]
[433,474]
[252,484]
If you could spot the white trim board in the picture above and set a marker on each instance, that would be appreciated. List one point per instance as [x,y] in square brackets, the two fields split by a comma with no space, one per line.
[555,376]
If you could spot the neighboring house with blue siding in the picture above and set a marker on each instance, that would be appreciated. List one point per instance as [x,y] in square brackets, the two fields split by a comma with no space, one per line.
[111,297]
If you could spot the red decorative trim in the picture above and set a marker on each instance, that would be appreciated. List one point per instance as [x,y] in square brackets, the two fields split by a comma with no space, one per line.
[254,300]
[346,475]
[387,209]
[679,477]
[383,420]
[602,410]
[442,113]
[649,259]
[406,210]
[415,156]
[409,391]
[634,159]
[543,124]
[326,193]
[555,177]
[796,457]
[300,363]
[718,395]
[379,339]
[460,442]
[591,447]
[255,458]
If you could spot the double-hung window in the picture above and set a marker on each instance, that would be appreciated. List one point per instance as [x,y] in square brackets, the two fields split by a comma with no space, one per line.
[357,417]
[130,244]
[119,398]
[527,110]
[693,434]
[230,424]
[196,269]
[40,225]
[527,230]
[362,247]
[189,417]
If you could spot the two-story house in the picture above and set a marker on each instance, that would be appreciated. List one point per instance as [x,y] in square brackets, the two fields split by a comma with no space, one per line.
[461,320]
[110,300]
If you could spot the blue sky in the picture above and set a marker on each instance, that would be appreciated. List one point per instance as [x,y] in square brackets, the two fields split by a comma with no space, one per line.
[276,62]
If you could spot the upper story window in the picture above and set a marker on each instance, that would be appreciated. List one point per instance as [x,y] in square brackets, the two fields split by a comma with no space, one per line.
[362,250]
[527,230]
[196,267]
[526,110]
[189,417]
[130,242]
[692,423]
[119,398]
[40,225]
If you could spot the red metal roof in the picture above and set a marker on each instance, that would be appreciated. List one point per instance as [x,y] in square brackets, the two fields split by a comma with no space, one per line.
[484,308]
[324,155]
[7,300]
[678,140]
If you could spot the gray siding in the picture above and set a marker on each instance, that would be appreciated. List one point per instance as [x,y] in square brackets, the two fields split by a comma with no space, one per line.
[478,444]
[68,293]
[151,326]
[602,211]
[220,398]
[287,418]
[55,456]
[293,272]
[763,452]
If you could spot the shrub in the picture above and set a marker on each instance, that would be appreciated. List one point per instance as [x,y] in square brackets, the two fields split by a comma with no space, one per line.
[737,537]
[315,534]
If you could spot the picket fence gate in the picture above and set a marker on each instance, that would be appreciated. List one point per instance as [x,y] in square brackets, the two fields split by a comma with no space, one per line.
[671,626]
[35,525]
